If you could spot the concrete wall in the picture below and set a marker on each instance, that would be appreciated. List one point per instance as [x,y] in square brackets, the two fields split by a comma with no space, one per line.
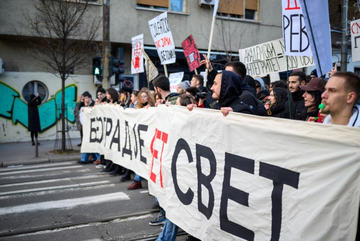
[126,21]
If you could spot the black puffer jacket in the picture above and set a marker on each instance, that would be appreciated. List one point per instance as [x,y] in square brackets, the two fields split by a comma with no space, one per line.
[298,109]
[229,94]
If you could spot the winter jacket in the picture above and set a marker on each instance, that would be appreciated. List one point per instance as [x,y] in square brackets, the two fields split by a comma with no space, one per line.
[298,109]
[172,97]
[33,113]
[354,119]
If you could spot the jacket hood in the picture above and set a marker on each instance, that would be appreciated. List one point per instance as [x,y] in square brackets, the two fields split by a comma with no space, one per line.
[261,81]
[231,88]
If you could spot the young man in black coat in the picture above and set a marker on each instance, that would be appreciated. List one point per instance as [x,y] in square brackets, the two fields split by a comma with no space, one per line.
[298,109]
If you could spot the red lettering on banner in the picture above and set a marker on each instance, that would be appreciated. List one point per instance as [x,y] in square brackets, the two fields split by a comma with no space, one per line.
[295,6]
[155,154]
[355,27]
[163,42]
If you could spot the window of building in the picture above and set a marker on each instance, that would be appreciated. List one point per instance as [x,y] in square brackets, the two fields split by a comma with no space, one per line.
[34,87]
[171,5]
[243,9]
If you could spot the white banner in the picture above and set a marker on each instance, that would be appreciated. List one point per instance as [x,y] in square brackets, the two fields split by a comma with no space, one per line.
[355,40]
[164,42]
[269,57]
[137,58]
[295,36]
[239,177]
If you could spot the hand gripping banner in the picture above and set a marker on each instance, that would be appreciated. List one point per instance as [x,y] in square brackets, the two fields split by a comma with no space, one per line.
[239,177]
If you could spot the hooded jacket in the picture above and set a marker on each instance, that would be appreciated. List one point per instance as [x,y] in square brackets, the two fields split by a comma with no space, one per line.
[231,89]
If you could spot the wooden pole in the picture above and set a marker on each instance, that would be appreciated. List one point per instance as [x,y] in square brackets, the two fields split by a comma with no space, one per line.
[165,70]
[196,72]
[211,36]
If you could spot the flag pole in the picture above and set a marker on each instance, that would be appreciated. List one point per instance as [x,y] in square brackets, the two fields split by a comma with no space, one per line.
[165,70]
[211,35]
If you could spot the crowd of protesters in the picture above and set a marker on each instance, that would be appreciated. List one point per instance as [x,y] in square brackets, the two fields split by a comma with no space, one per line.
[304,98]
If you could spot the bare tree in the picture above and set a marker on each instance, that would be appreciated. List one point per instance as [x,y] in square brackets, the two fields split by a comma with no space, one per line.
[64,40]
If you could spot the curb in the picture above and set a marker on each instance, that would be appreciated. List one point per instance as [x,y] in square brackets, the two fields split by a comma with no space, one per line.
[40,160]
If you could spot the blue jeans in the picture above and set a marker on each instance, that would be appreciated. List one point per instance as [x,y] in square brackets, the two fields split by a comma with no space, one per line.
[85,156]
[169,232]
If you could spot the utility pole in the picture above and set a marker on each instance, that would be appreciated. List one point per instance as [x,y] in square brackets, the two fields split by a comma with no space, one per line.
[106,43]
[344,23]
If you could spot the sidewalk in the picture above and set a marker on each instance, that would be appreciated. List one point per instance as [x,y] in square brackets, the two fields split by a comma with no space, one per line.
[23,153]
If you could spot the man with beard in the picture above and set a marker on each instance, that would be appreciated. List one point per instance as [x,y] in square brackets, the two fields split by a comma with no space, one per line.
[298,110]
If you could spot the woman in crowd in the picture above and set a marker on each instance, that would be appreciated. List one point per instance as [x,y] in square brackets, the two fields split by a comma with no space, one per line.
[112,96]
[133,99]
[144,100]
[278,103]
[312,97]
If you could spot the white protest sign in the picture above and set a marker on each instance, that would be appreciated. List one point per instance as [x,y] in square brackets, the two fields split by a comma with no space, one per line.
[296,39]
[225,178]
[269,57]
[137,58]
[355,40]
[164,42]
[175,79]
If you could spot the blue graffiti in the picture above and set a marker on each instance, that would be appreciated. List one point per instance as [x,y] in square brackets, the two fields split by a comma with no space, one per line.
[16,110]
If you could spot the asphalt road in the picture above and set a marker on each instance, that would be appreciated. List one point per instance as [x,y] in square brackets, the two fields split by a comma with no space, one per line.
[69,201]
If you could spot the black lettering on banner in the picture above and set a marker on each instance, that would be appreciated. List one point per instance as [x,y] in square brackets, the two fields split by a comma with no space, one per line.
[92,130]
[303,33]
[206,152]
[286,24]
[279,176]
[292,33]
[107,130]
[135,143]
[99,119]
[185,198]
[126,150]
[239,196]
[141,141]
[115,139]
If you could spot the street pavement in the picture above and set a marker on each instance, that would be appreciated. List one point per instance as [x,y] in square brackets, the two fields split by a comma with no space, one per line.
[53,198]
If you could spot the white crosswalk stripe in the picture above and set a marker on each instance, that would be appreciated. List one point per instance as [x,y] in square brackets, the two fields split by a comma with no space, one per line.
[54,187]
[65,203]
[22,167]
[40,170]
[52,180]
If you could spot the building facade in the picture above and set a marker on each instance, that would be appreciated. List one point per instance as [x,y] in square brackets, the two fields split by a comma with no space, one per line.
[239,24]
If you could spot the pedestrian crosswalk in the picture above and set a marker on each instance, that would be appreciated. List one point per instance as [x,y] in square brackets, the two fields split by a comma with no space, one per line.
[49,197]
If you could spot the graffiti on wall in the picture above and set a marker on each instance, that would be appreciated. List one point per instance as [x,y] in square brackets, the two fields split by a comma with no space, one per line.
[15,109]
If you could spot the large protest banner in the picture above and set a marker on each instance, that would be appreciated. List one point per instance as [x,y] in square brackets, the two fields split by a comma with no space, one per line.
[294,32]
[239,177]
[137,58]
[355,40]
[164,42]
[270,57]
